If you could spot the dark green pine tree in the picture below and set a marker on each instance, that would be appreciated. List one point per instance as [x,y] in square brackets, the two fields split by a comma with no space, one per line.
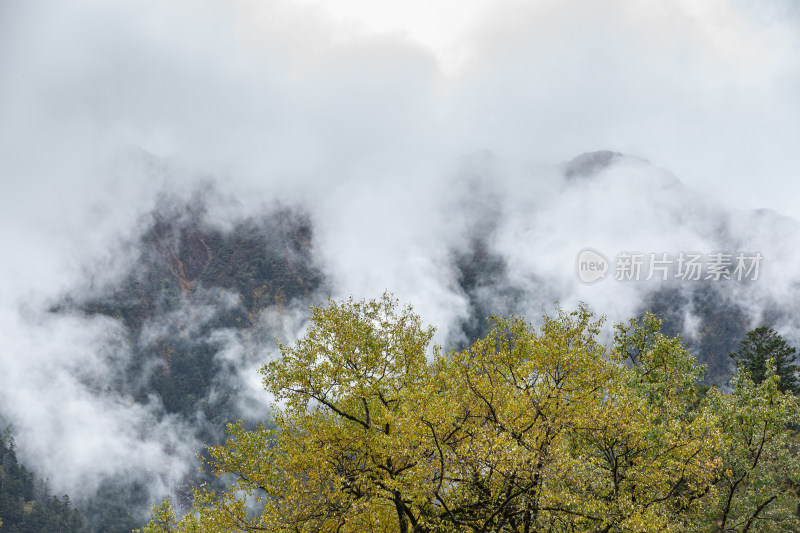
[758,347]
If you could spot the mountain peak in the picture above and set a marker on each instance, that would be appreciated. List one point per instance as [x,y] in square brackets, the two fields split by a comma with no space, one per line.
[590,163]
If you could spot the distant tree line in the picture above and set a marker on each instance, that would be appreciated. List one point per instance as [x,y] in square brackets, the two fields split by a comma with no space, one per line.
[26,505]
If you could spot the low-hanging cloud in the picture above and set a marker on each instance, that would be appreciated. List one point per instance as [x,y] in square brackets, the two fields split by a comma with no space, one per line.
[411,161]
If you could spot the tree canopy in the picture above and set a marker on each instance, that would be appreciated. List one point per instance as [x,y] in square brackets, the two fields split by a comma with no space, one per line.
[527,430]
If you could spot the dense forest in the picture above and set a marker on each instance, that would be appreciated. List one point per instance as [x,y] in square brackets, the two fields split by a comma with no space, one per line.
[26,504]
[528,429]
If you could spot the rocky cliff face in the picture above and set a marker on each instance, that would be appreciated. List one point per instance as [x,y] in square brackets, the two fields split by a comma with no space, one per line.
[190,282]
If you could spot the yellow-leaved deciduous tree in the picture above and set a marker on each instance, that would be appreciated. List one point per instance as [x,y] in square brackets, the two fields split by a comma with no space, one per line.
[527,430]
[758,478]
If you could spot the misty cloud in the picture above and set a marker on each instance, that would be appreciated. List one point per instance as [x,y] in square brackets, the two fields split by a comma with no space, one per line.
[360,157]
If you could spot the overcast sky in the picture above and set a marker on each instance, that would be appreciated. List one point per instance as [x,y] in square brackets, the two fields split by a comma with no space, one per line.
[286,90]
